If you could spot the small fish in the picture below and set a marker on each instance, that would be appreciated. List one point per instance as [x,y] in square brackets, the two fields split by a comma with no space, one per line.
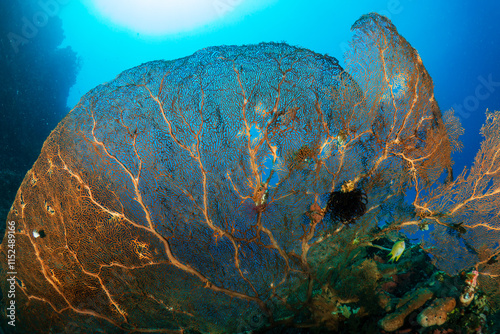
[397,251]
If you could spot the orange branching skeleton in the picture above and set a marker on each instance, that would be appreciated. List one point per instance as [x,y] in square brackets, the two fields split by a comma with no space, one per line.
[191,194]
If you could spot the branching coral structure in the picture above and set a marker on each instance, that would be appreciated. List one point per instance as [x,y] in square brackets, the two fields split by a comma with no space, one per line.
[253,188]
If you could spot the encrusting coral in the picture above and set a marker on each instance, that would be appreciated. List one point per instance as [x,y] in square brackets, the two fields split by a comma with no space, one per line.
[437,312]
[468,294]
[410,302]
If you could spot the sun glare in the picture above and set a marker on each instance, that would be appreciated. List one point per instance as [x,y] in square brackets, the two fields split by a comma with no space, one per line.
[158,17]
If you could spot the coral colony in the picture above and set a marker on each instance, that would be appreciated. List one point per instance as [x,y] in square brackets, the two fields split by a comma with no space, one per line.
[261,188]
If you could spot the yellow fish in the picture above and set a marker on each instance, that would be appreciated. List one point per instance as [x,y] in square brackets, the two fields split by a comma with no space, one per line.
[397,251]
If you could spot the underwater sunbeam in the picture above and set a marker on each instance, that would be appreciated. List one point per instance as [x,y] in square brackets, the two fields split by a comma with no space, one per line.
[157,17]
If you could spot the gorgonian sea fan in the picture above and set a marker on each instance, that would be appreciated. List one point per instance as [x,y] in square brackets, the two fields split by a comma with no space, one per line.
[144,188]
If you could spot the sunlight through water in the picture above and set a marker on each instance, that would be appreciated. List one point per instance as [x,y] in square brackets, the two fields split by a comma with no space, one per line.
[158,17]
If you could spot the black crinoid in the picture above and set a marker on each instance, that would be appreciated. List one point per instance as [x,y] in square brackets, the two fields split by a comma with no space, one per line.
[346,205]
